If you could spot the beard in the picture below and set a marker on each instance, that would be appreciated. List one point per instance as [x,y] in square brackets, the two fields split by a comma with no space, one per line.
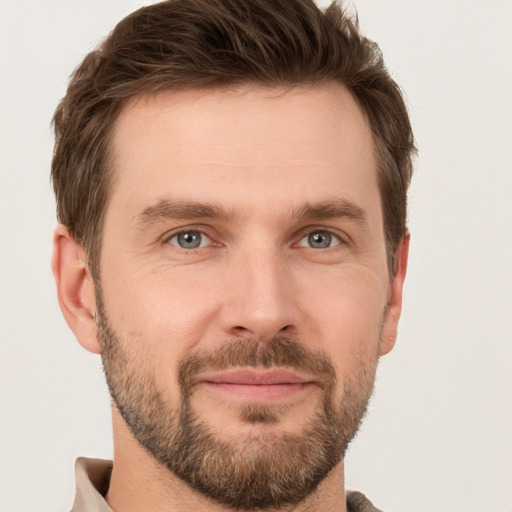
[262,470]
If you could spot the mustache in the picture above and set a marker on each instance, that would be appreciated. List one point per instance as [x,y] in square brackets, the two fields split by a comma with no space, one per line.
[245,352]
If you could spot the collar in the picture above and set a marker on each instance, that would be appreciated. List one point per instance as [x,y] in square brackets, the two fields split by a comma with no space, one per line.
[92,481]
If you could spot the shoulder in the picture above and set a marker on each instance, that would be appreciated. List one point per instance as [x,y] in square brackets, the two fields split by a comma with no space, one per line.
[358,502]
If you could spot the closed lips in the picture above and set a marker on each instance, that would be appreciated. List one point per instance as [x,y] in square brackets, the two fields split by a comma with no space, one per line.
[251,377]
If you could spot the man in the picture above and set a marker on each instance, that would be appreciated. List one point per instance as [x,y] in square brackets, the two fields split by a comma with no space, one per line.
[231,183]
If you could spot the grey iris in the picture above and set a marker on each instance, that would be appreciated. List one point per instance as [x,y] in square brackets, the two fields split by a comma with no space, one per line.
[320,240]
[189,240]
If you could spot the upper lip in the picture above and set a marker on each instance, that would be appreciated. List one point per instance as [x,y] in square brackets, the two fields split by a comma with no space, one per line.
[250,376]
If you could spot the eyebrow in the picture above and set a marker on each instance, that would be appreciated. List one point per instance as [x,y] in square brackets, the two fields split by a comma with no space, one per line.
[181,210]
[185,210]
[330,209]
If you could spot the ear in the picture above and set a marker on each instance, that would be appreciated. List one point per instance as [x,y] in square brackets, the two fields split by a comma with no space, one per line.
[75,288]
[394,308]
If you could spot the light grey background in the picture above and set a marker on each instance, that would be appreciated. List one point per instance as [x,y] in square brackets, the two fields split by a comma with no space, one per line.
[438,436]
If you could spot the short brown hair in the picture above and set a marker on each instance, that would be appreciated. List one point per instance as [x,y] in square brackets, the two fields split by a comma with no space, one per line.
[194,44]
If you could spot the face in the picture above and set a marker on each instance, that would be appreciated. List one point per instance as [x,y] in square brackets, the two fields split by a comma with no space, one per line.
[244,296]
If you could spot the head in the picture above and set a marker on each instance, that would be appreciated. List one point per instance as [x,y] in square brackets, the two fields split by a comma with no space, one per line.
[231,181]
[204,44]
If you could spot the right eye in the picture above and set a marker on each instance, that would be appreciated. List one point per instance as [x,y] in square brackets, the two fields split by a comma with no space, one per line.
[190,240]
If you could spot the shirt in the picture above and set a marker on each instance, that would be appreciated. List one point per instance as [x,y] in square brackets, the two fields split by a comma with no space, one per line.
[93,479]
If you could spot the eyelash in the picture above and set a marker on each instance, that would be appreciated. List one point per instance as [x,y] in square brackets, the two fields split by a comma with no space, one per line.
[190,231]
[332,237]
[310,231]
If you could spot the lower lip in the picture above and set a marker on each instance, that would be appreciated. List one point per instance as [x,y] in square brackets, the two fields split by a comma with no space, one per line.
[260,392]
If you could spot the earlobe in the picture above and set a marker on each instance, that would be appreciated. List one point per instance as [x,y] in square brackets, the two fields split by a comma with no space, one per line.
[75,288]
[394,306]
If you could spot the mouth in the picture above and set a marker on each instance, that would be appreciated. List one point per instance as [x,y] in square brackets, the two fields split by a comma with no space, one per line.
[260,386]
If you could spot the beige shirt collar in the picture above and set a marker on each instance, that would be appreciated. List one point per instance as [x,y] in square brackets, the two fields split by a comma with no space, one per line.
[93,479]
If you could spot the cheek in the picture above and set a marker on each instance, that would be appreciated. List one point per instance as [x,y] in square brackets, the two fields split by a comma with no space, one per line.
[348,313]
[164,312]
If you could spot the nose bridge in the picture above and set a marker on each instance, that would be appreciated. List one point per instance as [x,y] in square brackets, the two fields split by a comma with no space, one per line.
[261,304]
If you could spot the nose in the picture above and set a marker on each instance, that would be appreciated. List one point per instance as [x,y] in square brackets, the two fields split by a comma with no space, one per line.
[260,302]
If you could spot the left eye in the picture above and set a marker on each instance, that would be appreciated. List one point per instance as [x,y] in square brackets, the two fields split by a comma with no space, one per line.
[189,240]
[320,240]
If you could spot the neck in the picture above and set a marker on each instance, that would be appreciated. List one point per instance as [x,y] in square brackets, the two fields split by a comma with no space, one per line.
[140,482]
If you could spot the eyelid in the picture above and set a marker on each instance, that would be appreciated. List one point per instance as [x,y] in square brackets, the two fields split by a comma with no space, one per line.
[188,229]
[205,240]
[343,238]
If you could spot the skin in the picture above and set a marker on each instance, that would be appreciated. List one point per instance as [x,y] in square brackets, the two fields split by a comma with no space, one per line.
[262,155]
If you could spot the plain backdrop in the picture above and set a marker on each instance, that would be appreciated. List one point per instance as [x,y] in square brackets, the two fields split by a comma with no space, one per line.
[438,436]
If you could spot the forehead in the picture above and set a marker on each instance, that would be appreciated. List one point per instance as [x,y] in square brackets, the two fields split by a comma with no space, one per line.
[247,146]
